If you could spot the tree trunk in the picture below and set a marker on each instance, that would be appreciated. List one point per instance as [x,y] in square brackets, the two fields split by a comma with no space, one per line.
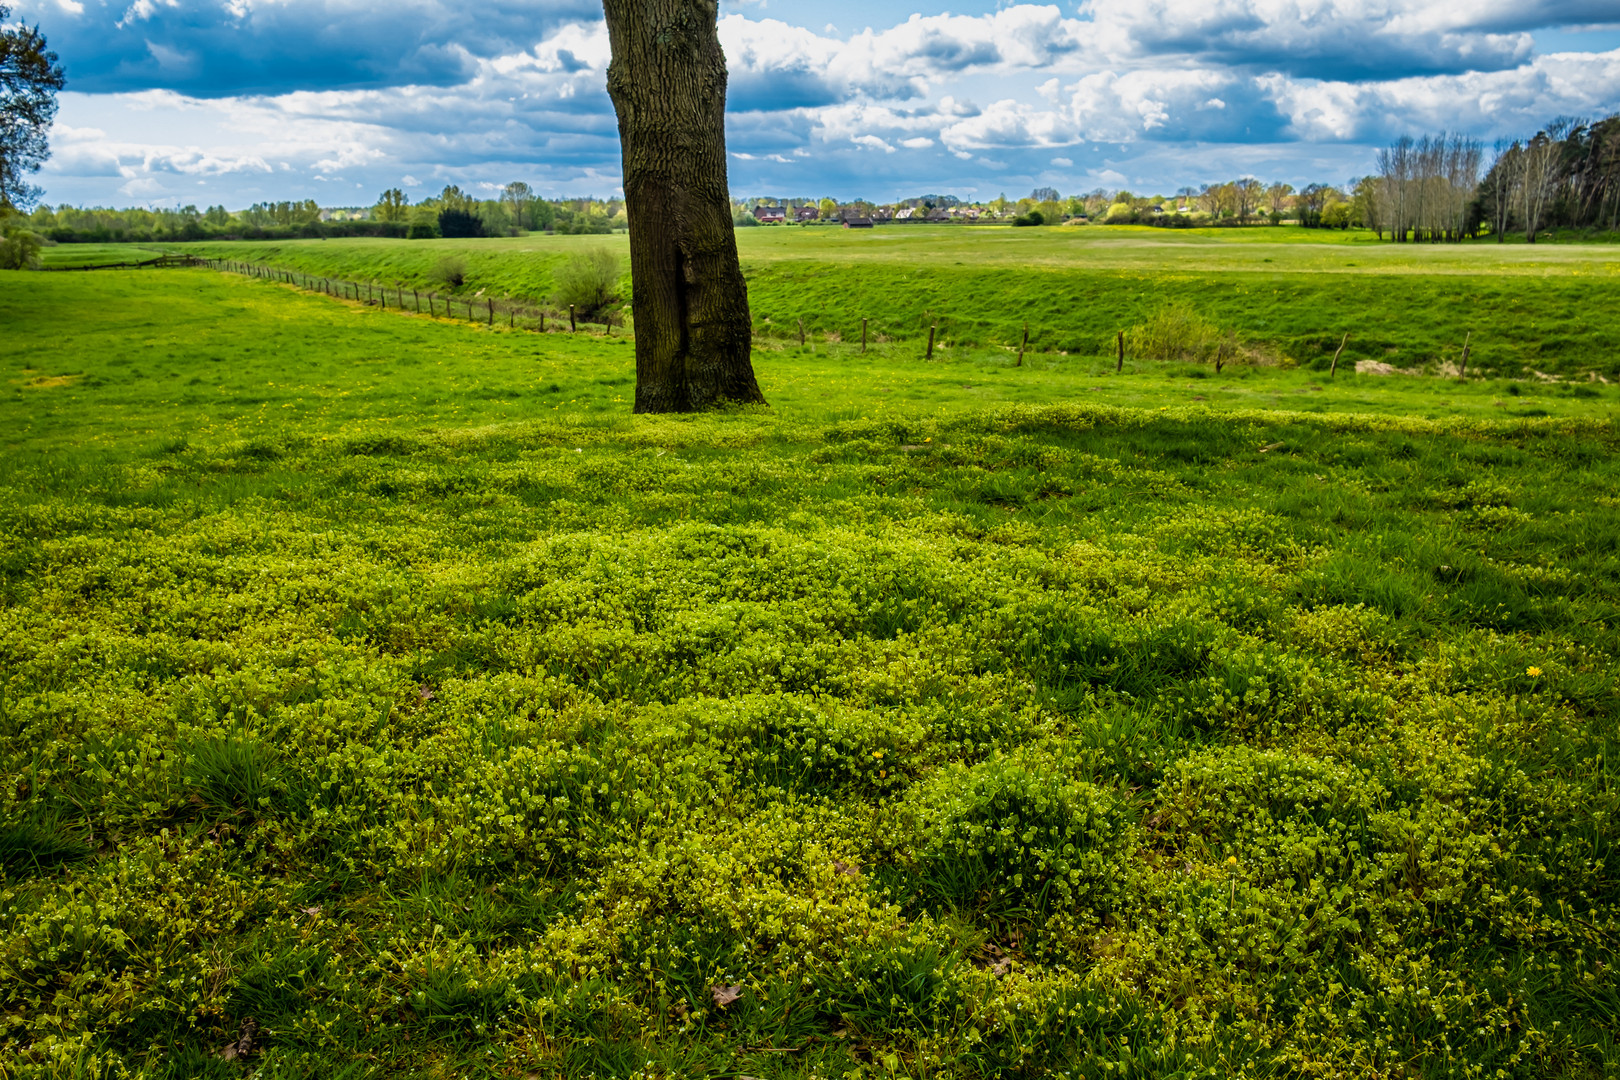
[694,333]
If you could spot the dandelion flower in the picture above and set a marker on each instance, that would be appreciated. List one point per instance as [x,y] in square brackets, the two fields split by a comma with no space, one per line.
[1232,861]
[1533,672]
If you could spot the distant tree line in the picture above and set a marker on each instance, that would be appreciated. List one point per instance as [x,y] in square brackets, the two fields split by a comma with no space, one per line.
[452,213]
[1427,189]
[1430,189]
[1566,176]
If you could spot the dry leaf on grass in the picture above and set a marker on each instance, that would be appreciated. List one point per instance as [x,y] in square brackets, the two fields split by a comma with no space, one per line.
[243,1044]
[725,995]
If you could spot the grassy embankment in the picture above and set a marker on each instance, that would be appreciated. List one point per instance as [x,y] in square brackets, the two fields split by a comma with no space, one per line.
[1289,294]
[380,680]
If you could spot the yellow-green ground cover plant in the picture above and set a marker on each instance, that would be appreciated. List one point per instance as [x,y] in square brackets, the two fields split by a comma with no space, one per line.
[1014,740]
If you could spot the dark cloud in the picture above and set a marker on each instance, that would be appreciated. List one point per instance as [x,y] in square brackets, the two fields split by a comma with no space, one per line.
[950,52]
[1384,57]
[1303,39]
[756,90]
[211,49]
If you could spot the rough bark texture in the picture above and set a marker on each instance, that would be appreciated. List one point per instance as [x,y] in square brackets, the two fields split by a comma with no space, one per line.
[668,84]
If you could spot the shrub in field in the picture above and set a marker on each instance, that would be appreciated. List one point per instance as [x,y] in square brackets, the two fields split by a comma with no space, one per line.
[450,272]
[590,282]
[1176,332]
[19,249]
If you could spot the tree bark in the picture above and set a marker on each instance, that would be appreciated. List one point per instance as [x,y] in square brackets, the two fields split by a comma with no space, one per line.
[694,333]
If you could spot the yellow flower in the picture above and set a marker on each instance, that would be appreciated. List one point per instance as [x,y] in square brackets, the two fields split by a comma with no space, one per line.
[877,753]
[1533,672]
[1232,861]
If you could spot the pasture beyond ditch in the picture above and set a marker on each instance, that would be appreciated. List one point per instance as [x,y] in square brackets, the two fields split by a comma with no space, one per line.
[1288,294]
[379,698]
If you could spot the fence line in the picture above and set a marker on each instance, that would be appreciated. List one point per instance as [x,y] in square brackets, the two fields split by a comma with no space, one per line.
[161,262]
[521,316]
[485,310]
[488,311]
[514,314]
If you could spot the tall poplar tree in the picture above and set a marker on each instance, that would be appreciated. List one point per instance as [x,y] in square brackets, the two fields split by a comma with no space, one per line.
[694,333]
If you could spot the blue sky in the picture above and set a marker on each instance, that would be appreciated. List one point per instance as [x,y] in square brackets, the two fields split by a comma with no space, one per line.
[235,101]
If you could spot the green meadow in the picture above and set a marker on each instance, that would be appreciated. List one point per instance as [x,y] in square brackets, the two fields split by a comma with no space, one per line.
[380,698]
[1290,295]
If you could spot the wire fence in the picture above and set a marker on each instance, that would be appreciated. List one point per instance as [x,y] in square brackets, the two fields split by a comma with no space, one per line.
[518,314]
[161,262]
[510,312]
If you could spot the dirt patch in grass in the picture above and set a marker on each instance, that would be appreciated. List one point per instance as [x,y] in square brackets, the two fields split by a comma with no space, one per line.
[50,382]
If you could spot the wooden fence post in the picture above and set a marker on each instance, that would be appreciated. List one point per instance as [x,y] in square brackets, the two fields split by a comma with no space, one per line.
[573,327]
[542,320]
[491,302]
[418,301]
[931,330]
[1023,346]
[801,333]
[863,335]
[1462,372]
[1333,368]
[1119,366]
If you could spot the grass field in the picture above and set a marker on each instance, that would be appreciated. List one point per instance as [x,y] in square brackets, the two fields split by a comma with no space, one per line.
[1289,294]
[70,255]
[381,681]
